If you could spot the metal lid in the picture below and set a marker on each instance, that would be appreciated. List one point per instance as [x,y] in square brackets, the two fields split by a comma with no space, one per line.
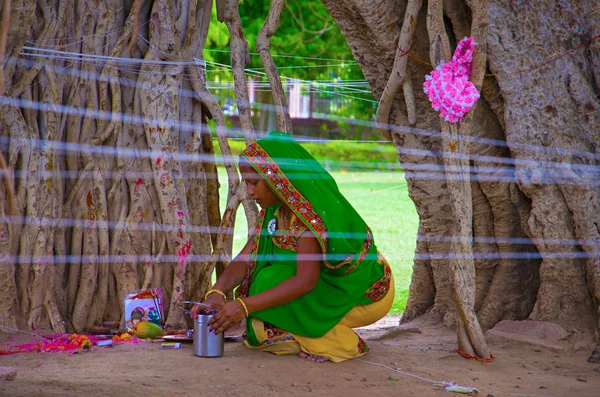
[203,318]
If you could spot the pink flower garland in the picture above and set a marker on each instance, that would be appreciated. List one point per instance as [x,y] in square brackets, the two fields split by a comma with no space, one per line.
[448,87]
[61,343]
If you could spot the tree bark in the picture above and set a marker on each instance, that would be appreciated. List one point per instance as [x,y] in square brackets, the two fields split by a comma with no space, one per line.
[103,161]
[534,209]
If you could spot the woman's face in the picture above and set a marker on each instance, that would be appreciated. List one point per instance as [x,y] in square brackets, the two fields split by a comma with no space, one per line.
[257,187]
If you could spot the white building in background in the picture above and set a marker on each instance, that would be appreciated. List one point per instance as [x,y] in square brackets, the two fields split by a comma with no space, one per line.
[299,104]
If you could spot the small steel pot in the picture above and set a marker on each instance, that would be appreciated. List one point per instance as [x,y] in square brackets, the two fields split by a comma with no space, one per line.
[206,344]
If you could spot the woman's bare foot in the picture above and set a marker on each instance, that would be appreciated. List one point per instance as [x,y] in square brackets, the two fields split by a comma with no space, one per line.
[313,357]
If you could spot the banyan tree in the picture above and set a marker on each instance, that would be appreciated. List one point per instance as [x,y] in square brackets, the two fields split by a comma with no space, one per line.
[109,182]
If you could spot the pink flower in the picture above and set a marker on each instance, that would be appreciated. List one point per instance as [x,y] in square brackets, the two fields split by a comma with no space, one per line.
[164,179]
[185,251]
[180,214]
[448,87]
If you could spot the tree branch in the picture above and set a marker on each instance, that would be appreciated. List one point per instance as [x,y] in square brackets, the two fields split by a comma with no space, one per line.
[455,148]
[4,26]
[236,193]
[137,5]
[240,57]
[263,45]
[400,72]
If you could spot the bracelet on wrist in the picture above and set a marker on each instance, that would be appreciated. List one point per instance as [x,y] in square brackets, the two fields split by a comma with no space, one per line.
[215,291]
[243,305]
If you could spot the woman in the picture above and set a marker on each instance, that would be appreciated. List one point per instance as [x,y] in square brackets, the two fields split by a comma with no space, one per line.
[311,272]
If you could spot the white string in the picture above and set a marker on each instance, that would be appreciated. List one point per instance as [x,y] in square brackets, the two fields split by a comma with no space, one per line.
[82,57]
[77,56]
[378,191]
[290,56]
[415,171]
[81,39]
[149,226]
[509,240]
[530,395]
[172,258]
[329,66]
[501,143]
[412,170]
[306,87]
[471,139]
[101,59]
[23,332]
[505,255]
[324,141]
[403,130]
[302,83]
[255,72]
[406,373]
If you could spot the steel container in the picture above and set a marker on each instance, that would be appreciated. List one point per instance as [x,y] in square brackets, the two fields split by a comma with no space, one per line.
[205,343]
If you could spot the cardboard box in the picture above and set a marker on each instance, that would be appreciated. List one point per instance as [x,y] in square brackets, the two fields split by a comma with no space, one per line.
[139,307]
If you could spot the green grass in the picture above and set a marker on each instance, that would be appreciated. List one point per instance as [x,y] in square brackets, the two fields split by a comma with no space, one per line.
[348,155]
[382,200]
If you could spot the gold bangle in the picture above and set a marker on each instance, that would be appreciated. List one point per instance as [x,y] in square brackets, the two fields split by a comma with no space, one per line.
[243,305]
[215,291]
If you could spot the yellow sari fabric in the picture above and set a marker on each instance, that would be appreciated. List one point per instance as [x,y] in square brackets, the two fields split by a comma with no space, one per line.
[341,343]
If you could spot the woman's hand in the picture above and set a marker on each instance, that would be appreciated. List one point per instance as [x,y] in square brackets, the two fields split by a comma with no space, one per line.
[215,301]
[231,278]
[231,314]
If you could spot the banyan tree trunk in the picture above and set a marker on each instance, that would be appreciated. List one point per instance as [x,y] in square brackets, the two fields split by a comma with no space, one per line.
[109,182]
[532,148]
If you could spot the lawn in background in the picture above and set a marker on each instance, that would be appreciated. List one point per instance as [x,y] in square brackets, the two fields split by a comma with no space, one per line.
[381,198]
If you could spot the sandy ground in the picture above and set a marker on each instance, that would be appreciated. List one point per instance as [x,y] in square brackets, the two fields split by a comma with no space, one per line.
[518,370]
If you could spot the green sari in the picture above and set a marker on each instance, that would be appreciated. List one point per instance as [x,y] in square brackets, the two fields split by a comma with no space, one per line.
[351,273]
